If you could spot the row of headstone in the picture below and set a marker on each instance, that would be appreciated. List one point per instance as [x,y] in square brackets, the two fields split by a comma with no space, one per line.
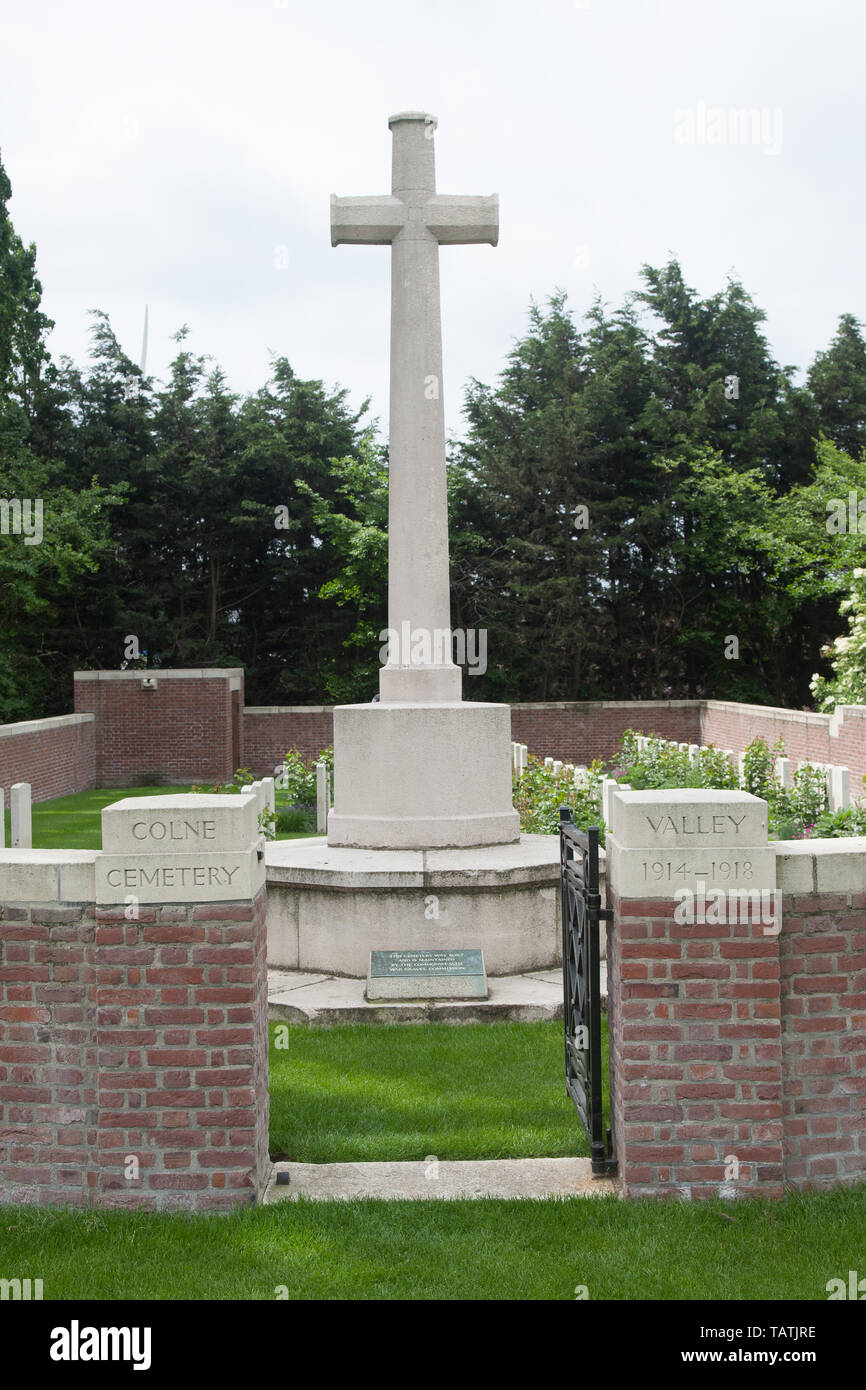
[578,775]
[519,757]
[838,779]
[692,750]
[21,817]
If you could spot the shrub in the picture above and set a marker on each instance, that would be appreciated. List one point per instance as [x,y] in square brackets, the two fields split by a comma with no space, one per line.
[540,792]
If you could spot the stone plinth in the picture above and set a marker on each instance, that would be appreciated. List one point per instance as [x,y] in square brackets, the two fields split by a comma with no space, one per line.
[186,848]
[329,907]
[410,776]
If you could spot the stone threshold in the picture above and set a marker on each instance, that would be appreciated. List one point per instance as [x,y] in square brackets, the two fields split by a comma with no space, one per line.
[296,996]
[429,1179]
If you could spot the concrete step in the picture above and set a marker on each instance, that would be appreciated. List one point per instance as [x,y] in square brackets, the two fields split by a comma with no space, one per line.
[434,1180]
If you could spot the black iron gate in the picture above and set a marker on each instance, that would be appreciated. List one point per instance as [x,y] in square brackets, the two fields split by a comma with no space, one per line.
[581,914]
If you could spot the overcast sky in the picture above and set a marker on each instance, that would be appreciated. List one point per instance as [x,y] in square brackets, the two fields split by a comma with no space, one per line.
[179,153]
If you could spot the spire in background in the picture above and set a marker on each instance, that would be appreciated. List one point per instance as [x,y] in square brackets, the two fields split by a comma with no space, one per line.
[144,344]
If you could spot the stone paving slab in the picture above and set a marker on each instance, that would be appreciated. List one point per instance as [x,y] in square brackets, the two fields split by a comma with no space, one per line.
[432,1180]
[296,996]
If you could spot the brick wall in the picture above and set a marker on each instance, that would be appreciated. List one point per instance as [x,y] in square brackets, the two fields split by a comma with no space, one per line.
[56,756]
[270,731]
[729,1041]
[579,732]
[180,732]
[823,958]
[822,738]
[144,1040]
[574,732]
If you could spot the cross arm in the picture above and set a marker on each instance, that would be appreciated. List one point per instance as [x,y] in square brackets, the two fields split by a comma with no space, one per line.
[459,221]
[372,221]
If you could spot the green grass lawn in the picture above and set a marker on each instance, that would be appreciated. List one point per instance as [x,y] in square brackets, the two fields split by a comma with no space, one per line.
[74,822]
[365,1092]
[446,1250]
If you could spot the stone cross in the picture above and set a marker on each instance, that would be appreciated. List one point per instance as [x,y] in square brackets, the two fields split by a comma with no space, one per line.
[414,221]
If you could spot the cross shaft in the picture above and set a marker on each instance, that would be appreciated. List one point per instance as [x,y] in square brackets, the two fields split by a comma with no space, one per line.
[415,220]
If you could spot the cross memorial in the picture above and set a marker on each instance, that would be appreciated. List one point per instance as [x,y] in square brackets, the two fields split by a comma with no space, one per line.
[420,768]
[415,221]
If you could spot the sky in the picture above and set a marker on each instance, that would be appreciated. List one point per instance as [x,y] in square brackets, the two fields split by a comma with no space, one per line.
[182,155]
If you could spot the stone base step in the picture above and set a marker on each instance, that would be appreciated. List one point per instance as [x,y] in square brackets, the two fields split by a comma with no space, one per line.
[431,1180]
[296,996]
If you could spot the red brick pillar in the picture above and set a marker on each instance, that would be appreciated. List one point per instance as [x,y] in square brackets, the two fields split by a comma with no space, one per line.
[181,979]
[133,1012]
[694,995]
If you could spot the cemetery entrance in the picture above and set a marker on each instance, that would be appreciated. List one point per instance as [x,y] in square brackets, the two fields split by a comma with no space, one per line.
[582,914]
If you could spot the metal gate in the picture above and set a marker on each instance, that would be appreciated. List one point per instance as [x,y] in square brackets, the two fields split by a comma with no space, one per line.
[581,914]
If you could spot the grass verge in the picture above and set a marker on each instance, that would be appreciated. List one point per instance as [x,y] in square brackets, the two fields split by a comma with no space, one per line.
[446,1250]
[369,1092]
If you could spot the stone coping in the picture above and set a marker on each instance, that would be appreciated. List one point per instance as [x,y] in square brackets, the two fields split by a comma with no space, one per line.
[39,726]
[47,876]
[821,866]
[313,862]
[67,875]
[288,709]
[166,672]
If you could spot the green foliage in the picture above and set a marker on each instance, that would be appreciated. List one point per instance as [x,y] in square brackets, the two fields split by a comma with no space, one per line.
[295,820]
[295,782]
[664,765]
[539,793]
[831,825]
[847,653]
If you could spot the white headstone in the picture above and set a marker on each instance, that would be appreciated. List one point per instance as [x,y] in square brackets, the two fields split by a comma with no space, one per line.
[607,786]
[694,753]
[21,836]
[557,768]
[323,798]
[841,790]
[783,773]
